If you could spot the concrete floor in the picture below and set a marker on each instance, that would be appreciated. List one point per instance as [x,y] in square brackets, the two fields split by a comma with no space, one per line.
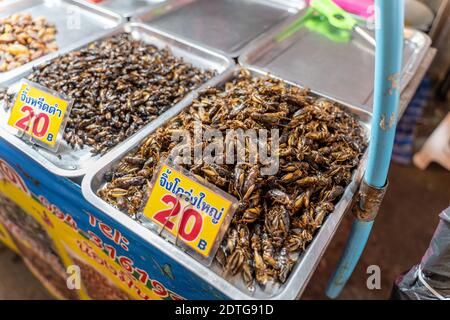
[401,234]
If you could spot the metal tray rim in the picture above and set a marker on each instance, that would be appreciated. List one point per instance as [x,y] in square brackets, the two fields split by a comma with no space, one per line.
[125,16]
[417,59]
[27,149]
[297,281]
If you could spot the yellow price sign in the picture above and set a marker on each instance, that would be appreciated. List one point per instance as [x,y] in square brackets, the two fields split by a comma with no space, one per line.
[186,209]
[39,113]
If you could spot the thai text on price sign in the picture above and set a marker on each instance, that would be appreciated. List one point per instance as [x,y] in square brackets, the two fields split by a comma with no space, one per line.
[40,114]
[195,213]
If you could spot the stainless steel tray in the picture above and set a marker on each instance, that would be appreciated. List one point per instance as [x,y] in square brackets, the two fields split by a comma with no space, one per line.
[342,71]
[74,163]
[124,8]
[235,288]
[76,25]
[227,26]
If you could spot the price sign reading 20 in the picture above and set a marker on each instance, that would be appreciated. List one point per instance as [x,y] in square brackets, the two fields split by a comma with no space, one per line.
[39,113]
[188,229]
[188,211]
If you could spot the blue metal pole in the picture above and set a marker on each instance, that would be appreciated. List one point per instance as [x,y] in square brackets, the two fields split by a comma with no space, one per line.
[388,64]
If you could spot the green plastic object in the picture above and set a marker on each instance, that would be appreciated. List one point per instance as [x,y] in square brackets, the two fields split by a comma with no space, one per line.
[318,23]
[338,17]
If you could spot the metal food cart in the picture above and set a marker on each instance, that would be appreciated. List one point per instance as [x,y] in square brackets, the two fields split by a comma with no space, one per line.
[58,191]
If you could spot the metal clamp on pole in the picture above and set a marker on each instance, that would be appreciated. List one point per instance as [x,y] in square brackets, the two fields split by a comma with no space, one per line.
[368,201]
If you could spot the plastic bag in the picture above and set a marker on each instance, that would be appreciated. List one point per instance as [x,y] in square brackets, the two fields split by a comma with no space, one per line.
[430,280]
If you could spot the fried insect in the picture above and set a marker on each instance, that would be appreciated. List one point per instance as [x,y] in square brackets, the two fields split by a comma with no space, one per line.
[277,215]
[118,84]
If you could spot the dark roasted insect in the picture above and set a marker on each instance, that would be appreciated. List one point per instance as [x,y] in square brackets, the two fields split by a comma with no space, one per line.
[118,85]
[277,215]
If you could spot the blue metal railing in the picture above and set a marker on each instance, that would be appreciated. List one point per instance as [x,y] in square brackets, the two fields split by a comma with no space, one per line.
[388,64]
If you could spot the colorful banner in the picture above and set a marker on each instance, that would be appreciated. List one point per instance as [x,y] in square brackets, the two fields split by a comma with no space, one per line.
[6,239]
[75,249]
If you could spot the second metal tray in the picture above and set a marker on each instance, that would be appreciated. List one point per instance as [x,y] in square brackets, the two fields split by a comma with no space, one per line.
[227,26]
[74,163]
[75,24]
[340,70]
[234,288]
